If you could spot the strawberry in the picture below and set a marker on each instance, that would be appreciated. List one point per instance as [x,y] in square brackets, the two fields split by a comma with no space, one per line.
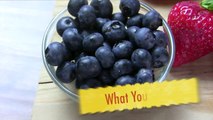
[192,27]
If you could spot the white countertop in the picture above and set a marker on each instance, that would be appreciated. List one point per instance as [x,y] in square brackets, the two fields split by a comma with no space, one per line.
[22,24]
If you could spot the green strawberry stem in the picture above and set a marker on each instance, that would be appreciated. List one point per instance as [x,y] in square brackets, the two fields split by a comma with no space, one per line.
[207,4]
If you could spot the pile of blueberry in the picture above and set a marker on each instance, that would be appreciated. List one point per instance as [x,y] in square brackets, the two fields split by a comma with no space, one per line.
[102,48]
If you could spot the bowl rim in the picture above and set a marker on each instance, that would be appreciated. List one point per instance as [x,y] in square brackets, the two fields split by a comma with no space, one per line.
[74,96]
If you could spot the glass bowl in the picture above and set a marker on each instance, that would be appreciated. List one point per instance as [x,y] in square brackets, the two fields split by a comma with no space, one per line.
[51,35]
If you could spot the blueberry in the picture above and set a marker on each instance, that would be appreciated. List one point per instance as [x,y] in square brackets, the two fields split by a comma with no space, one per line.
[152,20]
[141,58]
[66,72]
[88,67]
[92,42]
[72,39]
[103,8]
[78,83]
[86,33]
[68,54]
[131,33]
[106,78]
[114,31]
[79,55]
[120,17]
[105,44]
[160,57]
[100,23]
[160,38]
[91,83]
[75,5]
[135,21]
[105,57]
[123,80]
[144,38]
[55,53]
[123,49]
[64,23]
[77,22]
[87,17]
[121,67]
[129,7]
[144,75]
[84,86]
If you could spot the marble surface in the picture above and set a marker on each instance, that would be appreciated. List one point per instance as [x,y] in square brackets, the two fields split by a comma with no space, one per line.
[22,24]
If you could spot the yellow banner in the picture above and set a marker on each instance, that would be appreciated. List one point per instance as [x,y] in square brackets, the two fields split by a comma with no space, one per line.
[138,96]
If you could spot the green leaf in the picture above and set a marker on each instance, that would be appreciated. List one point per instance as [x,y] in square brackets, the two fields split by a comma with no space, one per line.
[208,4]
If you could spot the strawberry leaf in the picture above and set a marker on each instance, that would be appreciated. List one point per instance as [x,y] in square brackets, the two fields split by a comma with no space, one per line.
[207,4]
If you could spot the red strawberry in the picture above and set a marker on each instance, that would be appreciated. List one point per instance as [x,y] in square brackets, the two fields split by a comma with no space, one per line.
[192,27]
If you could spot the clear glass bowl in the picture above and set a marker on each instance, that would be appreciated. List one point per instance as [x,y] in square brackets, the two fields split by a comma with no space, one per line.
[51,35]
